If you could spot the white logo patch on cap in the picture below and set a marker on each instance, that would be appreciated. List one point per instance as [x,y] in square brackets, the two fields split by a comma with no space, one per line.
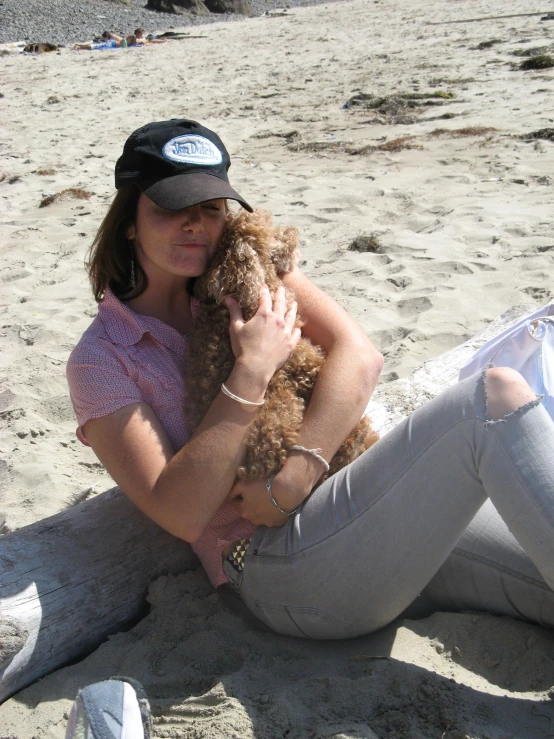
[192,149]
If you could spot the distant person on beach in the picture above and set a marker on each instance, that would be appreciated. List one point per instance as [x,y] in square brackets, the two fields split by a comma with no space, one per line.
[141,40]
[109,41]
[452,510]
[114,41]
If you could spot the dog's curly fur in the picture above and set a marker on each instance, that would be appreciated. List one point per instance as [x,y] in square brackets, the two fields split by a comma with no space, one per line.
[251,253]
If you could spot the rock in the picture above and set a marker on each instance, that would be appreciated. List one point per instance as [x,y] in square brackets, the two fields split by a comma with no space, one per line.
[178,7]
[243,7]
[200,7]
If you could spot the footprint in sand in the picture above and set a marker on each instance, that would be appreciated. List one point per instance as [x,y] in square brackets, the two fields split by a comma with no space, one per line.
[450,267]
[400,282]
[385,337]
[414,306]
[16,275]
[396,249]
[484,267]
[538,293]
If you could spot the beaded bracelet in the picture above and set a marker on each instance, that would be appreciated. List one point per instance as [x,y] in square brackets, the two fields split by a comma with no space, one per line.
[314,452]
[272,499]
[231,395]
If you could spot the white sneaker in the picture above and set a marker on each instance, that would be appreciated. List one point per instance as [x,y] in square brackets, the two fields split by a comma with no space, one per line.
[112,709]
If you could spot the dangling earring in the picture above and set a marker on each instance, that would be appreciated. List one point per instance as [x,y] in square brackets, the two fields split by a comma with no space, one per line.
[133,279]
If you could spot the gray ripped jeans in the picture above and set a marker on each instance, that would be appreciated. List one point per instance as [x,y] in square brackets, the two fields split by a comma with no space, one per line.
[449,507]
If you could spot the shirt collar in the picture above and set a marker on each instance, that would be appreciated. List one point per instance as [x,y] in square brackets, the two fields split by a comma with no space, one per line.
[125,327]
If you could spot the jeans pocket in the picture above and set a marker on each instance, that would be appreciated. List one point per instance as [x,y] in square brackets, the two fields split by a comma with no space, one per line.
[302,621]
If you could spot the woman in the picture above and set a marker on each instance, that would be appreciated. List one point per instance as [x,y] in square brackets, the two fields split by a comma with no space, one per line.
[406,518]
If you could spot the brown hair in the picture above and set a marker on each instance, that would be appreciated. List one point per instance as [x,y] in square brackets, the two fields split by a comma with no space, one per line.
[111,256]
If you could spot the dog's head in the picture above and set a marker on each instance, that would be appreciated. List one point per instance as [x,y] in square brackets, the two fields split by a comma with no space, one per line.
[250,254]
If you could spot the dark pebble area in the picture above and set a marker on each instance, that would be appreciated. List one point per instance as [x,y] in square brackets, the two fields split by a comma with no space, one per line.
[70,21]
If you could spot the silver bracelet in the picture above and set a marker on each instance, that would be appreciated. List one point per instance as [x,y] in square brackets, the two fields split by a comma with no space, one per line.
[272,499]
[314,452]
[231,395]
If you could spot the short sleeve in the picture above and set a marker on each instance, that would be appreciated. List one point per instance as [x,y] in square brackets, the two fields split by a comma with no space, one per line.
[98,382]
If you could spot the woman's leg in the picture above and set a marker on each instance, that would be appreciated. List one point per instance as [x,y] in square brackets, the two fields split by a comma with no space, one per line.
[488,569]
[369,540]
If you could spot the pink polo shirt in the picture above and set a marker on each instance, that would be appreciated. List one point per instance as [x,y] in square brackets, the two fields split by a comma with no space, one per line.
[125,358]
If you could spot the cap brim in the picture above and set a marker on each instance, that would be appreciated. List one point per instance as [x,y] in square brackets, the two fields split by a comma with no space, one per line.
[184,190]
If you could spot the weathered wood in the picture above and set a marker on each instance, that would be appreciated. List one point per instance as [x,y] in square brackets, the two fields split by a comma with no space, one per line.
[394,401]
[69,581]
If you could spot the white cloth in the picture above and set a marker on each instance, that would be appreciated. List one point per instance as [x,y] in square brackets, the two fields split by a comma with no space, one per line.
[528,347]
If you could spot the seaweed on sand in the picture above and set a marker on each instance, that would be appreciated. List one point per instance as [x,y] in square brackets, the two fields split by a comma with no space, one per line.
[289,135]
[461,132]
[399,144]
[543,133]
[533,51]
[488,44]
[364,244]
[70,192]
[434,81]
[322,147]
[10,179]
[541,61]
[392,103]
[394,108]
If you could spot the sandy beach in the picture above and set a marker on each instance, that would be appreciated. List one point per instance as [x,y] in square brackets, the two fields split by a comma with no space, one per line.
[402,143]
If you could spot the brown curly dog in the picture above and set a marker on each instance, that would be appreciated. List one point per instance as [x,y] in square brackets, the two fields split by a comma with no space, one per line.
[251,253]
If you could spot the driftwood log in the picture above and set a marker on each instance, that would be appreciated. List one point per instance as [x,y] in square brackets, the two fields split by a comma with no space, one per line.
[69,581]
[394,401]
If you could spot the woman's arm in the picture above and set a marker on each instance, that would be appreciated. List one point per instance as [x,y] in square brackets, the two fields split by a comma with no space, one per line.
[182,491]
[343,387]
[350,371]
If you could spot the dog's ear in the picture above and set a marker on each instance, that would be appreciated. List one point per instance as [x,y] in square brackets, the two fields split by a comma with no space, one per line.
[249,254]
[236,268]
[285,249]
[273,244]
[242,275]
[277,244]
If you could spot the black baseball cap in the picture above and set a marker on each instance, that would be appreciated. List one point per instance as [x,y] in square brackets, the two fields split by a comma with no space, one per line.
[176,163]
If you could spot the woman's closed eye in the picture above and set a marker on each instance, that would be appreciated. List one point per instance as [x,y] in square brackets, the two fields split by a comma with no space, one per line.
[215,205]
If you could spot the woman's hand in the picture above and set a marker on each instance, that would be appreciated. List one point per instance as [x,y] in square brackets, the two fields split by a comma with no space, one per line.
[290,487]
[253,503]
[265,342]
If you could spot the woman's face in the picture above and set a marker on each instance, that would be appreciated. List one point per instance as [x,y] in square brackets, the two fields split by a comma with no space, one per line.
[176,242]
